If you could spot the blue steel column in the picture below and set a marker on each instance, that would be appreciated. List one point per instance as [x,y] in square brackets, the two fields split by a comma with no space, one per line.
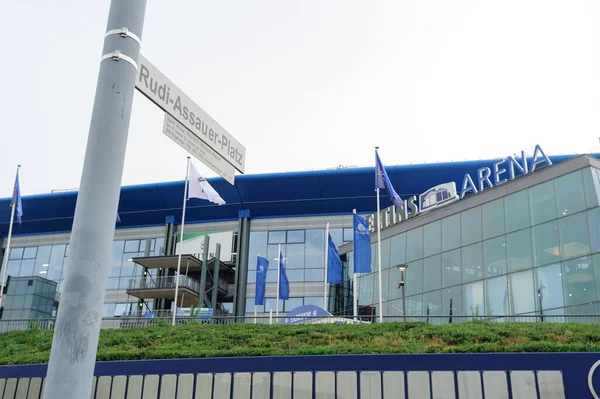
[242,262]
[75,341]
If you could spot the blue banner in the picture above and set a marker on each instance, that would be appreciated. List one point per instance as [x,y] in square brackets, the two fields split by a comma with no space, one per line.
[262,265]
[362,245]
[284,284]
[16,199]
[304,313]
[334,263]
[383,181]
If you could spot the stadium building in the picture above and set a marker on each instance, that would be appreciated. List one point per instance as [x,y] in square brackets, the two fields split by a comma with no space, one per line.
[500,237]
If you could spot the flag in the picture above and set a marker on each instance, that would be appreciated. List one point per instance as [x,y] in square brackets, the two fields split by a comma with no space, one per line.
[118,218]
[16,199]
[262,265]
[284,284]
[334,263]
[383,181]
[199,188]
[362,245]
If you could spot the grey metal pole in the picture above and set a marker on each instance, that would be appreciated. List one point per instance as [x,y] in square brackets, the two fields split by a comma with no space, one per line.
[75,341]
[215,287]
[203,273]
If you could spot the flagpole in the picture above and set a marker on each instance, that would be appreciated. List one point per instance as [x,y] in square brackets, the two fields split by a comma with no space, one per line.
[354,279]
[326,266]
[185,191]
[278,275]
[257,255]
[7,252]
[379,250]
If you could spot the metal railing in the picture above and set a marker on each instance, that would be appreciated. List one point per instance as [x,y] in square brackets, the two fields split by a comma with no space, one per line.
[165,282]
[165,320]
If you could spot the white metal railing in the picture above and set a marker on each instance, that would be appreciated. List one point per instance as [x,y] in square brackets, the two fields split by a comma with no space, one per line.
[165,282]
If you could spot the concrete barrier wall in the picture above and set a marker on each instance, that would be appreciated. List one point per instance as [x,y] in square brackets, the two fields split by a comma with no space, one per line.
[330,377]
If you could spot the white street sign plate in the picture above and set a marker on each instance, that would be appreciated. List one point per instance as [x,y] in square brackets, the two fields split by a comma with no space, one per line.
[162,92]
[192,144]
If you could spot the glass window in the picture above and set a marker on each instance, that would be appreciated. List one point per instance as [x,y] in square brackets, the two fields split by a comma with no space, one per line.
[549,287]
[591,182]
[13,268]
[451,232]
[295,237]
[414,244]
[432,304]
[27,266]
[385,254]
[391,287]
[293,303]
[314,275]
[30,253]
[42,261]
[494,257]
[472,263]
[496,296]
[250,306]
[432,238]
[365,289]
[452,302]
[336,237]
[414,306]
[588,309]
[545,243]
[432,273]
[492,216]
[315,255]
[277,237]
[473,299]
[398,249]
[470,225]
[257,245]
[518,250]
[414,278]
[521,288]
[56,262]
[451,270]
[542,203]
[516,211]
[578,280]
[295,275]
[348,234]
[569,193]
[16,253]
[313,300]
[132,246]
[574,236]
[593,218]
[113,283]
[295,256]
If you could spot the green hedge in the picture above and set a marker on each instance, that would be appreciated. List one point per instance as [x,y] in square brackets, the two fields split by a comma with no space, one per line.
[198,340]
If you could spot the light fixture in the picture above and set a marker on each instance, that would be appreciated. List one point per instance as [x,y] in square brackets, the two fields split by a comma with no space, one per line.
[43,272]
[129,260]
[45,265]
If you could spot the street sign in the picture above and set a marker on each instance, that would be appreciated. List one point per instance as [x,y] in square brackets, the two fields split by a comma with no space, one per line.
[192,144]
[162,92]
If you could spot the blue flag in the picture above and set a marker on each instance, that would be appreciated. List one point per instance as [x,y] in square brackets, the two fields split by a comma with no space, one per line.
[16,199]
[362,245]
[262,265]
[334,263]
[383,181]
[284,284]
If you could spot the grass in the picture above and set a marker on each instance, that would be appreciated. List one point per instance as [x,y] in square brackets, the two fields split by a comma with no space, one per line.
[204,340]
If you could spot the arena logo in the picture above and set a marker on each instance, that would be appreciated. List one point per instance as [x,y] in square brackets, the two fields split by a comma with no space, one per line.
[444,194]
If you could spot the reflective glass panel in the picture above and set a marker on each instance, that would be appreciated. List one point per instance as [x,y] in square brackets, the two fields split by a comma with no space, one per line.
[549,287]
[398,249]
[496,294]
[472,262]
[591,182]
[414,278]
[27,266]
[258,245]
[385,254]
[452,302]
[314,274]
[30,253]
[432,273]
[574,236]
[42,261]
[451,232]
[414,306]
[314,248]
[432,238]
[473,299]
[569,193]
[516,211]
[593,219]
[16,253]
[277,237]
[470,225]
[518,250]
[365,289]
[13,268]
[56,262]
[494,257]
[295,256]
[578,281]
[414,244]
[348,234]
[293,303]
[521,288]
[492,215]
[294,237]
[542,203]
[132,246]
[545,243]
[432,304]
[451,269]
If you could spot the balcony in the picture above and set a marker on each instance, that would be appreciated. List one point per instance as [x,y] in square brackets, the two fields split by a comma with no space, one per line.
[164,287]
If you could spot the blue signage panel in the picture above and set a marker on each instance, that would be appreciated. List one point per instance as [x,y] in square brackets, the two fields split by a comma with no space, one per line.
[304,313]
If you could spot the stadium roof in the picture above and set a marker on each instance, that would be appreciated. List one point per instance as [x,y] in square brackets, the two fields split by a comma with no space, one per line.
[265,195]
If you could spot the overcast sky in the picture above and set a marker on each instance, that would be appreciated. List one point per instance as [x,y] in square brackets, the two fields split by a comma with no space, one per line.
[309,84]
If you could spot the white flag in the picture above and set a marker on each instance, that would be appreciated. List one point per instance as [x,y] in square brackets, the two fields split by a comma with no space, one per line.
[199,188]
